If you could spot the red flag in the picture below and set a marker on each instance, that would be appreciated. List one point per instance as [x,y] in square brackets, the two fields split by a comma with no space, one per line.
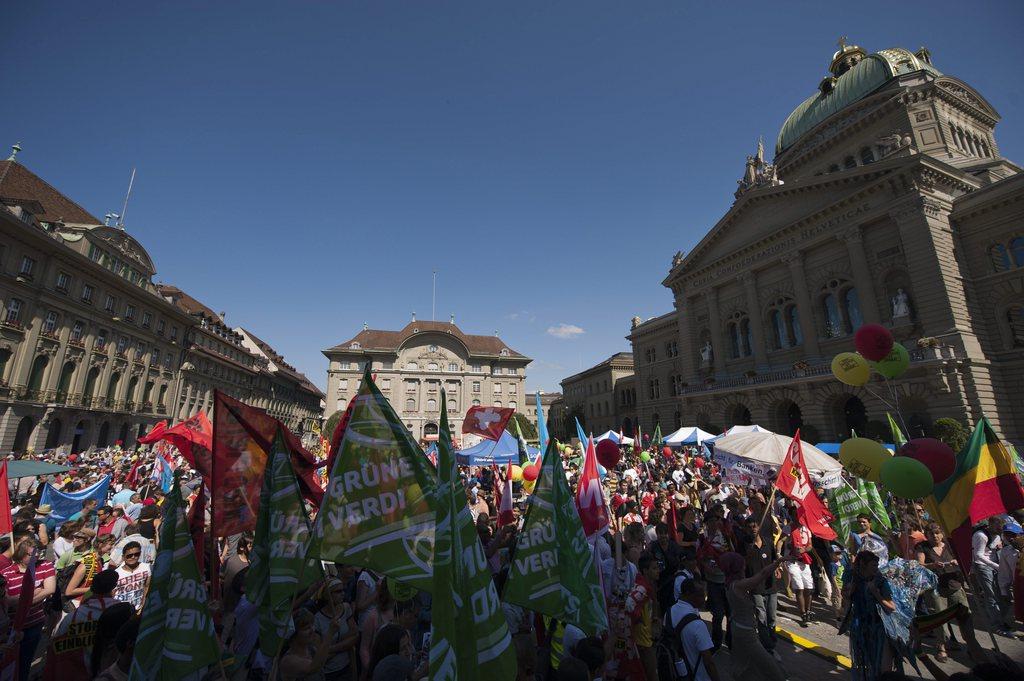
[155,434]
[487,422]
[673,528]
[242,436]
[589,495]
[133,475]
[28,588]
[795,482]
[194,439]
[506,516]
[197,526]
[6,525]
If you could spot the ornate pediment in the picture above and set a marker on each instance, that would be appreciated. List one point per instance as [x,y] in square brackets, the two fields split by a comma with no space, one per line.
[121,243]
[966,94]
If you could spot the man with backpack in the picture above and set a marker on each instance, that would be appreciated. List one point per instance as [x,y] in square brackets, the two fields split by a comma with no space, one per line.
[688,636]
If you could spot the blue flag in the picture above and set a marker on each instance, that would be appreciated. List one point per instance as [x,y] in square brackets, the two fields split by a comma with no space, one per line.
[581,435]
[63,505]
[542,428]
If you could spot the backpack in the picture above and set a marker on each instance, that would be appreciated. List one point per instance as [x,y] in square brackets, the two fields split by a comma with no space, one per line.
[670,652]
[57,601]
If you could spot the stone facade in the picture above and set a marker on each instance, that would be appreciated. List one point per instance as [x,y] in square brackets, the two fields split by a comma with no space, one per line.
[91,351]
[888,202]
[528,407]
[413,364]
[592,396]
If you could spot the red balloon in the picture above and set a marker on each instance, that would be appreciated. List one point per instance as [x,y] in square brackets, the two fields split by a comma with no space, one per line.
[873,341]
[698,462]
[73,458]
[608,453]
[667,451]
[935,454]
[530,472]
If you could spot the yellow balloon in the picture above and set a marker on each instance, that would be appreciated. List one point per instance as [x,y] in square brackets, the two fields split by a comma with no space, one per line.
[851,368]
[517,473]
[528,485]
[863,458]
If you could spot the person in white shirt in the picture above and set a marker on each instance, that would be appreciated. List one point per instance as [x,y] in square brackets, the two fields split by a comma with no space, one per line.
[694,648]
[985,545]
[133,577]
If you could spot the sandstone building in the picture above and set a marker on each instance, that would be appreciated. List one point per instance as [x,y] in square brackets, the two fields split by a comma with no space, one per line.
[91,350]
[888,201]
[413,364]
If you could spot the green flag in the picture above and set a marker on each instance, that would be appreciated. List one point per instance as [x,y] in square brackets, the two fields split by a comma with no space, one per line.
[553,571]
[276,570]
[898,438]
[176,636]
[524,456]
[876,508]
[657,437]
[378,509]
[469,634]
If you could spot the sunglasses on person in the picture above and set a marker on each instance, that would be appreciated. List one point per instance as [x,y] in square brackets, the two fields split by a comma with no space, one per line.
[81,536]
[133,555]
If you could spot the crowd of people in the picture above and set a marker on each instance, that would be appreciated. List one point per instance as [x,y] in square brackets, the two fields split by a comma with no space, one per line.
[690,565]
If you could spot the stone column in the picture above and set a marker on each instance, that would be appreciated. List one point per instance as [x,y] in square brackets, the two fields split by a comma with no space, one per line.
[803,304]
[754,315]
[861,274]
[715,324]
[26,354]
[687,349]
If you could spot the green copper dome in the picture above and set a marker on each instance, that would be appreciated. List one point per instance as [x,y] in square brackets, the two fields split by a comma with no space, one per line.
[865,77]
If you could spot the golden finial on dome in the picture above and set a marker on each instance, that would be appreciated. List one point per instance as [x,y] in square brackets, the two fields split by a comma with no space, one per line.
[846,57]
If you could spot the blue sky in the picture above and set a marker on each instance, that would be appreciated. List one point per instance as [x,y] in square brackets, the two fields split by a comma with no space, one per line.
[306,165]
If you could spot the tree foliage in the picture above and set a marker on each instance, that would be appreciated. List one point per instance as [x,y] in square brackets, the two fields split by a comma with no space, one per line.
[952,432]
[528,429]
[332,423]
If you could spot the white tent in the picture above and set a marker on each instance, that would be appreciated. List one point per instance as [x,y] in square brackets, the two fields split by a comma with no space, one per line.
[689,435]
[614,437]
[758,454]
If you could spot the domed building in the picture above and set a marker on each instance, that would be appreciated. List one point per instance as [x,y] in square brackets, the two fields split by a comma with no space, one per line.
[887,202]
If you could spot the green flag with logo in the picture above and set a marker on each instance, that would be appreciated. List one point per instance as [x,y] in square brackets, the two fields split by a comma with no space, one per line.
[378,509]
[876,507]
[278,565]
[898,438]
[469,633]
[176,636]
[553,570]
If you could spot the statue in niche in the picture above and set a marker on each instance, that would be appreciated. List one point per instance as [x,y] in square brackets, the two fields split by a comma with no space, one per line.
[900,304]
[706,353]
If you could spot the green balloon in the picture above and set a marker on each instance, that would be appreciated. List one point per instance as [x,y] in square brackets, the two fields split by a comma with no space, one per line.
[895,363]
[907,478]
[645,457]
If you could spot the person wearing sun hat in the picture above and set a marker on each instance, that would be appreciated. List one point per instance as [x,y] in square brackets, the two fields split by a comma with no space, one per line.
[1007,574]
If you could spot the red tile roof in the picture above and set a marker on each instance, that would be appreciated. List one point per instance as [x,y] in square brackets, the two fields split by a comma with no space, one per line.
[21,183]
[184,301]
[374,339]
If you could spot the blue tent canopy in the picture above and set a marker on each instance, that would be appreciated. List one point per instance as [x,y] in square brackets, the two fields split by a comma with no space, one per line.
[833,447]
[504,450]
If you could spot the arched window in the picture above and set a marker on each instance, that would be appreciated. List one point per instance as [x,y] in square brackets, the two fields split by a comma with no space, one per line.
[410,405]
[867,155]
[746,337]
[1015,322]
[431,404]
[779,336]
[999,257]
[23,433]
[833,322]
[64,382]
[476,403]
[1017,251]
[513,404]
[851,302]
[432,366]
[793,325]
[734,339]
[412,366]
[35,379]
[849,162]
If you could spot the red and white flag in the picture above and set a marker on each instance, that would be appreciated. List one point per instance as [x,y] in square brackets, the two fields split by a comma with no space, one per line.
[506,516]
[6,524]
[795,482]
[487,422]
[589,495]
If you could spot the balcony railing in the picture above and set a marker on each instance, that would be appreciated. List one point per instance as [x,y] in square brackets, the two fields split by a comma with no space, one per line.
[917,356]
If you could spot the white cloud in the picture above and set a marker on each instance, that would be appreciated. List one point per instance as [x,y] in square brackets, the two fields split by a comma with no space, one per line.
[565,331]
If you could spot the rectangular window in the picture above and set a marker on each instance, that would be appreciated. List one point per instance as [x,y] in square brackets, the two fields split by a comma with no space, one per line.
[476,386]
[27,265]
[168,360]
[101,339]
[160,327]
[147,319]
[63,282]
[174,333]
[108,303]
[385,384]
[77,330]
[476,368]
[388,365]
[50,323]
[13,311]
[343,384]
[122,344]
[129,312]
[497,388]
[345,366]
[140,349]
[86,293]
[453,367]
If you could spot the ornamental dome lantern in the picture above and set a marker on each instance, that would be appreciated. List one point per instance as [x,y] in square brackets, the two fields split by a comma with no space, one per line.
[846,57]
